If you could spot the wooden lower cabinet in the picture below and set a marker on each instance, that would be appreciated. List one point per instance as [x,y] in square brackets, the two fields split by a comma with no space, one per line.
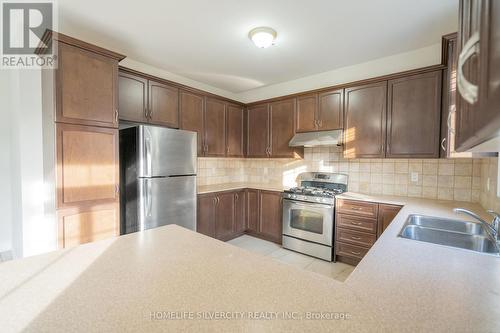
[229,214]
[83,225]
[270,215]
[87,183]
[252,206]
[386,213]
[221,215]
[240,224]
[358,225]
[225,216]
[205,220]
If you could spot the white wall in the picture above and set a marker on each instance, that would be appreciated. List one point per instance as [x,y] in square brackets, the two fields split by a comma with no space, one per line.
[5,165]
[32,231]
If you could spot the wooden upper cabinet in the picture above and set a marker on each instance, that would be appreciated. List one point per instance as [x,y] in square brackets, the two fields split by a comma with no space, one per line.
[215,127]
[282,114]
[87,165]
[413,116]
[331,110]
[205,216]
[258,131]
[270,219]
[235,131]
[133,97]
[163,104]
[386,213]
[307,110]
[469,25]
[365,121]
[478,119]
[86,87]
[487,120]
[224,215]
[192,116]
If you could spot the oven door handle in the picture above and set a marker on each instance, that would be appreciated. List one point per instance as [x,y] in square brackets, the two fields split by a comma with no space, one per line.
[308,204]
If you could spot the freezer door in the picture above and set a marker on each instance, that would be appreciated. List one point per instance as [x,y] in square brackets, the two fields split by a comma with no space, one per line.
[170,200]
[166,152]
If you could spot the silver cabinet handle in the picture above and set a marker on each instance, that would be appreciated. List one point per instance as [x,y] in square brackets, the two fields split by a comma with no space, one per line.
[116,115]
[146,113]
[355,238]
[356,253]
[442,144]
[467,90]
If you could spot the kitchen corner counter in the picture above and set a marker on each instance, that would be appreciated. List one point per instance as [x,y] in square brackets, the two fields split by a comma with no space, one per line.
[204,189]
[116,285]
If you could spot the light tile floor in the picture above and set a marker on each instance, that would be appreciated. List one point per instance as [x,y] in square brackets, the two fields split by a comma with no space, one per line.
[338,271]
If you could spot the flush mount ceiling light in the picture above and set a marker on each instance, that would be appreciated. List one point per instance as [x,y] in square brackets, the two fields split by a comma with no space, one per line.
[262,37]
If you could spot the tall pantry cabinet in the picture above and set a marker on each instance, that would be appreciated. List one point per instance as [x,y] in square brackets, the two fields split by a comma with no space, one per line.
[84,103]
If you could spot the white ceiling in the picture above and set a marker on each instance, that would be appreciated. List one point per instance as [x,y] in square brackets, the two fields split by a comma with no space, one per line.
[207,40]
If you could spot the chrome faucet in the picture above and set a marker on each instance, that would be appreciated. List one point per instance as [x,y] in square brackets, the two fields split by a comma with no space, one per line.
[492,229]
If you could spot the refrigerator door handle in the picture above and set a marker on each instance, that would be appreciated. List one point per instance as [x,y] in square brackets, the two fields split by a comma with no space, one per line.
[149,165]
[147,193]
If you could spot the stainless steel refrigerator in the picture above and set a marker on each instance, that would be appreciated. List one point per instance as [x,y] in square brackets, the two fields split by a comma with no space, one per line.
[158,178]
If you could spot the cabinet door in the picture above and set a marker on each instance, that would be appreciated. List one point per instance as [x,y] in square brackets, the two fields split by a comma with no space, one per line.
[487,119]
[205,220]
[192,116]
[224,216]
[133,97]
[252,208]
[88,224]
[307,109]
[240,211]
[87,165]
[469,24]
[270,217]
[386,213]
[413,116]
[282,115]
[331,110]
[163,104]
[87,88]
[258,131]
[235,117]
[215,127]
[365,116]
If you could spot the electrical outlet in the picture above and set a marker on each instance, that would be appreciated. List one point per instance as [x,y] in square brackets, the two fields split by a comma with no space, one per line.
[414,177]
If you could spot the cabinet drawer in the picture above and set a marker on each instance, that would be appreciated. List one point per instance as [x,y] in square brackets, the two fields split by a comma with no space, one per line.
[355,237]
[348,250]
[359,208]
[357,223]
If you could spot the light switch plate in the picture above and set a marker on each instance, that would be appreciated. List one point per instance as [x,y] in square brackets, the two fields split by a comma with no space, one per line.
[414,177]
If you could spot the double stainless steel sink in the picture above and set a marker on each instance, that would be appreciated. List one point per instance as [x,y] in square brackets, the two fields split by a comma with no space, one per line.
[456,233]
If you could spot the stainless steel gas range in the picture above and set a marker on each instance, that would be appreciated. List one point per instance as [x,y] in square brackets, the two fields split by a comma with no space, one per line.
[309,213]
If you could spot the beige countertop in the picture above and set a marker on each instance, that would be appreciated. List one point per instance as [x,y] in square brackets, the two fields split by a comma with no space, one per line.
[203,189]
[115,285]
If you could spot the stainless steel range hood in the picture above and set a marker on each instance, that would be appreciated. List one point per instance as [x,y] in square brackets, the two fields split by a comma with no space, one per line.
[313,139]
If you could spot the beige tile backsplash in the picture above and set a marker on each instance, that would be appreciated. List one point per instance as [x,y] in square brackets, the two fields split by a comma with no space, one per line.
[445,179]
[488,197]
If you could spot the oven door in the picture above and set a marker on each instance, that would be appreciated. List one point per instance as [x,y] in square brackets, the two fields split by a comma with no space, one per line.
[308,221]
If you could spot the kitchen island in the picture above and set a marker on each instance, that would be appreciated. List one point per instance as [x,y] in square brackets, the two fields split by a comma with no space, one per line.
[171,278]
